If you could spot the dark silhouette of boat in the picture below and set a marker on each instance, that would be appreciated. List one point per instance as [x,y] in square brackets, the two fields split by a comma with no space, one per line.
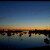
[8,34]
[46,41]
[30,35]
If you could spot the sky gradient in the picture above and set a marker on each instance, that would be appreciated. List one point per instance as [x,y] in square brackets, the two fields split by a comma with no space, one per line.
[24,14]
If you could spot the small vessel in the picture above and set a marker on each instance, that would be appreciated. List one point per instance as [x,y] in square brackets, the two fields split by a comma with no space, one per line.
[46,41]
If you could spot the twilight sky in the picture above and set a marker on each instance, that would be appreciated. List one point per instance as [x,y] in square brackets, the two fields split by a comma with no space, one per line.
[24,14]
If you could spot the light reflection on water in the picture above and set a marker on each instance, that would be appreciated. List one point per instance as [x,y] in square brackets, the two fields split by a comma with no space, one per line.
[23,40]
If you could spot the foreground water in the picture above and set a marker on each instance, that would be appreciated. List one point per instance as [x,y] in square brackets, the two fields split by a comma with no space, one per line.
[23,40]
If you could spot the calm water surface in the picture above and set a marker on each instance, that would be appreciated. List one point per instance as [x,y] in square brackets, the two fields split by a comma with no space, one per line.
[23,40]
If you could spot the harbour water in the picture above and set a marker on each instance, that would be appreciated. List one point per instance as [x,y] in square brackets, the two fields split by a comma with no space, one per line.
[22,40]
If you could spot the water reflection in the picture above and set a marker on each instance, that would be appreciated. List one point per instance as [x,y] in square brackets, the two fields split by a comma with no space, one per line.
[37,39]
[30,35]
[20,34]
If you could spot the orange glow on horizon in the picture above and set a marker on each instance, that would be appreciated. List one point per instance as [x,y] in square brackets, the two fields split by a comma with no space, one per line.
[27,28]
[18,27]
